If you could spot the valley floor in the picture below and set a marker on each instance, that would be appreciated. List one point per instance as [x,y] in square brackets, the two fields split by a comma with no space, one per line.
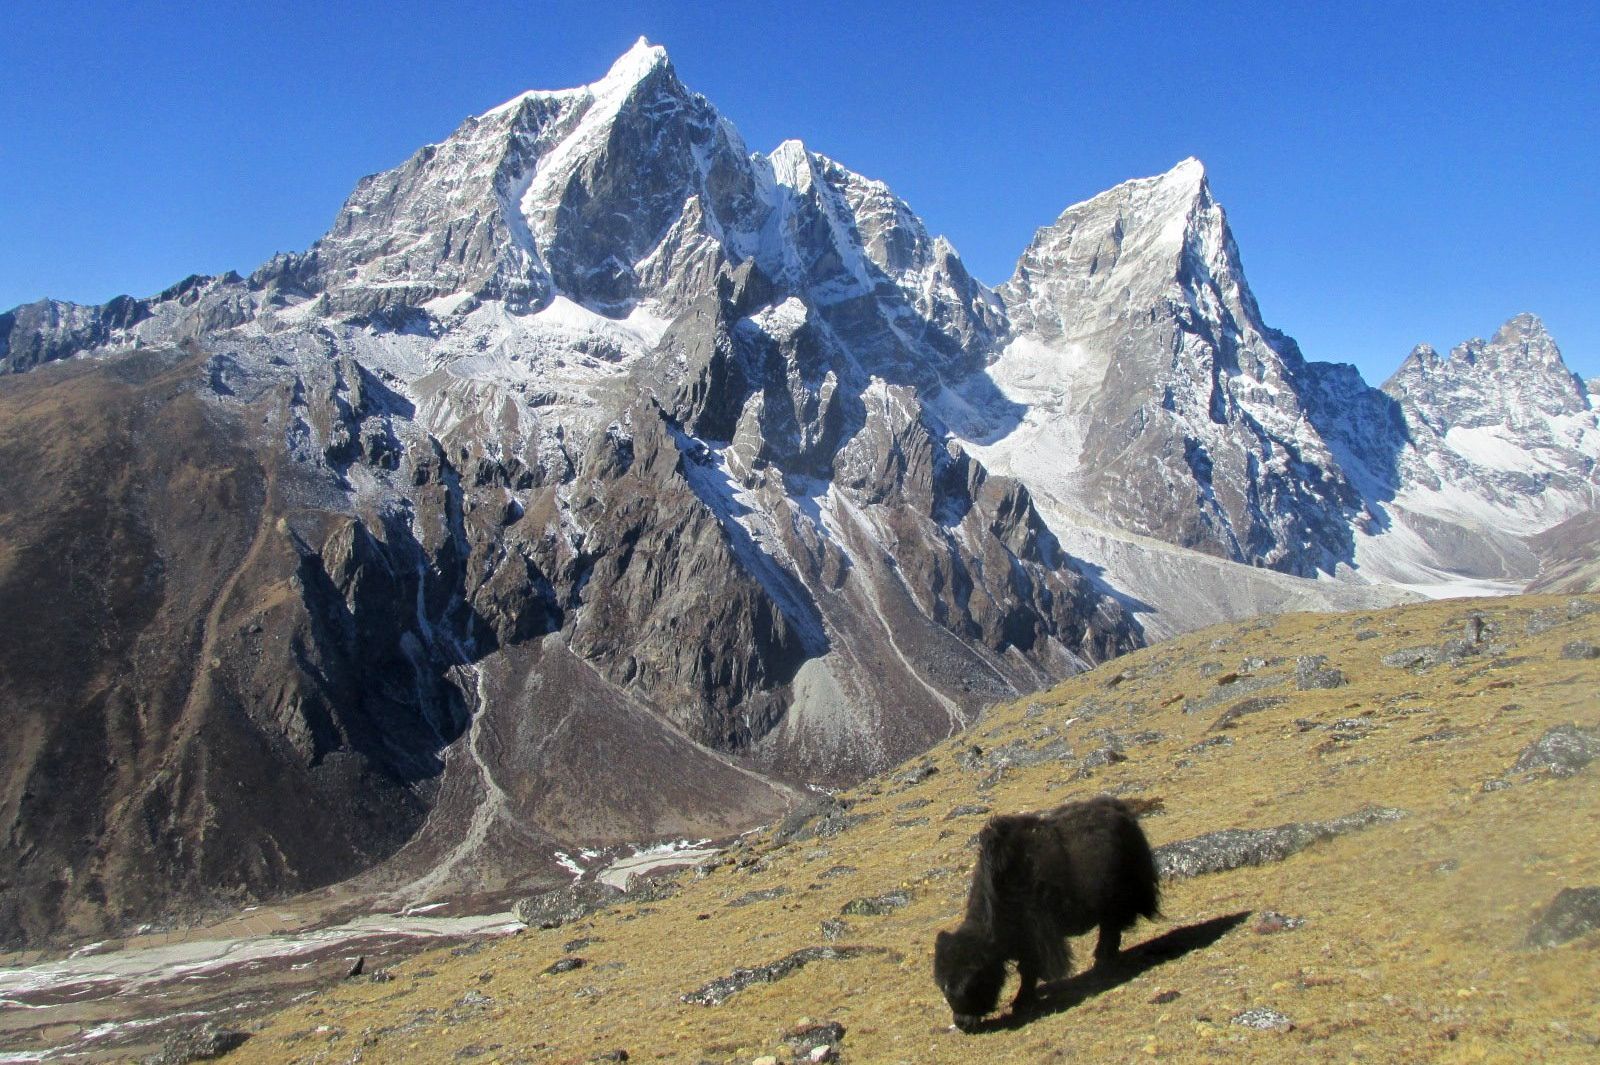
[116,999]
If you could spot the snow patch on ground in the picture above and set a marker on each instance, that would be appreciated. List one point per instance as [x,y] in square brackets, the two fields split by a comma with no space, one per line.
[783,321]
[1489,445]
[641,324]
[645,860]
[1172,590]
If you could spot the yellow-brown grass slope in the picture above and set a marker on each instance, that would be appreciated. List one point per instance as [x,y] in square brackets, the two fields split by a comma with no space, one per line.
[1410,947]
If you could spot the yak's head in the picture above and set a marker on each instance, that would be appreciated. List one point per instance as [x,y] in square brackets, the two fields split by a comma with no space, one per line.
[970,974]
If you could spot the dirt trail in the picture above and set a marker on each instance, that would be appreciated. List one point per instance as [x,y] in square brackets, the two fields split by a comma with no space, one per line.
[491,808]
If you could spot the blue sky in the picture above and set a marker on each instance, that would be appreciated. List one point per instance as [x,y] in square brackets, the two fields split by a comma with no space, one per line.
[1392,176]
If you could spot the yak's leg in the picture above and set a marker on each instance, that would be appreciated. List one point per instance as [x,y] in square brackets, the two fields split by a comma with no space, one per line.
[1106,952]
[1028,990]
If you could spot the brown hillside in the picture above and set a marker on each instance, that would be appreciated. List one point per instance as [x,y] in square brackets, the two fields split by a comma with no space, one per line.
[1403,940]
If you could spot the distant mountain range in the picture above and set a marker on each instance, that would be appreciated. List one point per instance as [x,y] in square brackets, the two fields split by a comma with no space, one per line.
[596,479]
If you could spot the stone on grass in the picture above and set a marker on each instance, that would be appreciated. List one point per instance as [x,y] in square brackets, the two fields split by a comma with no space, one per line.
[917,774]
[1272,921]
[1563,750]
[1243,708]
[759,896]
[1232,848]
[565,965]
[1312,672]
[1412,658]
[1572,913]
[877,905]
[720,990]
[805,1039]
[552,909]
[822,818]
[1101,756]
[197,1044]
[1263,1019]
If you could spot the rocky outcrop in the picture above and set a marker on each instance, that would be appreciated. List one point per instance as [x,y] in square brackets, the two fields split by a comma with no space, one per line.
[42,332]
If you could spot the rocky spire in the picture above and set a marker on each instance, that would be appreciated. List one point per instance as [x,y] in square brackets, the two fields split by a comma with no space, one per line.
[1516,377]
[1136,302]
[1133,236]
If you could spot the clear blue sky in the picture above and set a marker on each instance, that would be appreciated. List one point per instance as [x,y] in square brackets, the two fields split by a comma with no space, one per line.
[1394,173]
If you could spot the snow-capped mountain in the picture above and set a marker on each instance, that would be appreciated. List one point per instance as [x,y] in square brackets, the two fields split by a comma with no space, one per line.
[581,491]
[595,478]
[1160,411]
[1157,401]
[1503,443]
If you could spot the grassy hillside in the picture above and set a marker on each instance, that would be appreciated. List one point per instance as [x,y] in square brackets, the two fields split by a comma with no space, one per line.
[1401,941]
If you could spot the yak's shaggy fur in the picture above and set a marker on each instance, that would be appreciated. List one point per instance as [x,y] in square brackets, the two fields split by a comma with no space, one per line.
[1041,878]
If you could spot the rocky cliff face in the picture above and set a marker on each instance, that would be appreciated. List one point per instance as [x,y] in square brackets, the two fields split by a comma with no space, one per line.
[206,691]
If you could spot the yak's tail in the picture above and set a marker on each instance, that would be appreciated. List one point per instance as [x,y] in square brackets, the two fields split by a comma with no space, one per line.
[1142,880]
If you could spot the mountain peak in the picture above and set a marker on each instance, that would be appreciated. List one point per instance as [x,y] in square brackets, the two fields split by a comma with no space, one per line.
[1172,192]
[1189,171]
[634,65]
[1521,341]
[791,164]
[627,72]
[1423,360]
[1134,236]
[1518,371]
[1521,329]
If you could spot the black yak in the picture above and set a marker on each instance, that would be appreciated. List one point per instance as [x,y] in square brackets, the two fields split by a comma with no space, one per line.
[1041,878]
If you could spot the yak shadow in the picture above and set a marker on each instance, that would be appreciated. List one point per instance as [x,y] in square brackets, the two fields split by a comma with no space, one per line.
[1063,995]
